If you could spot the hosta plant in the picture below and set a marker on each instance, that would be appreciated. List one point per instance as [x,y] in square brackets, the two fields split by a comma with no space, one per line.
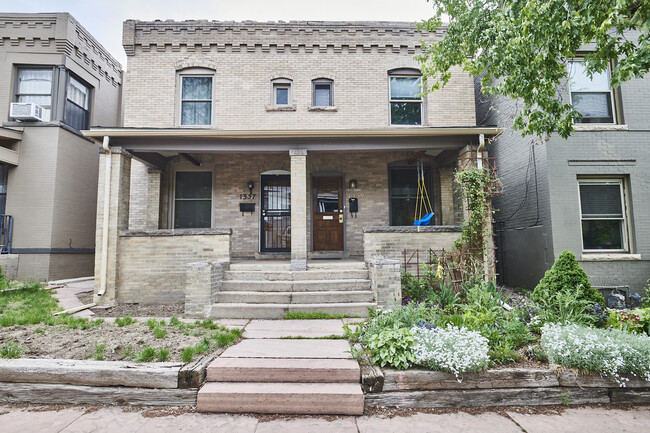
[392,346]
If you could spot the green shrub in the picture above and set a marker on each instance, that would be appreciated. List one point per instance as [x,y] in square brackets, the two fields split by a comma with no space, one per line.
[565,275]
[609,352]
[646,299]
[100,351]
[11,350]
[569,306]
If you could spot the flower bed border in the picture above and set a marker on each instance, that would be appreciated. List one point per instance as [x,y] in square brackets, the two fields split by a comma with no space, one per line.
[418,388]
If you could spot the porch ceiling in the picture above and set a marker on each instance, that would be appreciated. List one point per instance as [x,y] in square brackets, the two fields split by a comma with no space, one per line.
[166,141]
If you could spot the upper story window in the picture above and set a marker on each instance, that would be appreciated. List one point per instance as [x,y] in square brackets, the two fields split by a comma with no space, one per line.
[322,95]
[281,95]
[196,100]
[77,104]
[592,97]
[405,98]
[35,85]
[603,215]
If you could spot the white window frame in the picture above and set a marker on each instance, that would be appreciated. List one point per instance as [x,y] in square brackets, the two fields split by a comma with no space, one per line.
[624,220]
[194,73]
[185,168]
[321,82]
[612,94]
[282,83]
[391,100]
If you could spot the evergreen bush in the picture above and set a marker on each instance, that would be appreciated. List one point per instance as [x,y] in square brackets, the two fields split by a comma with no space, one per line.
[565,276]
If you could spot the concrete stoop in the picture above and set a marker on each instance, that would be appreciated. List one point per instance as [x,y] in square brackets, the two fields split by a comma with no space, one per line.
[271,291]
[315,377]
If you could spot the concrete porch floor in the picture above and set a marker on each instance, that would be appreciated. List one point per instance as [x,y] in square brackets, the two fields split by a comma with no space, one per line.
[241,264]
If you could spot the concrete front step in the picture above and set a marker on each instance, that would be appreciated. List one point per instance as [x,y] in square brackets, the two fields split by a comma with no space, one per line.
[295,286]
[296,297]
[279,311]
[288,398]
[359,274]
[284,370]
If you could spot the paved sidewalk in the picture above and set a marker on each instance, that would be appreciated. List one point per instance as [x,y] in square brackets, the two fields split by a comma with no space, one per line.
[592,420]
[67,296]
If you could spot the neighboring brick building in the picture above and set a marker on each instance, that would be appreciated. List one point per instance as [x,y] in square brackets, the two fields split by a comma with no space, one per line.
[588,194]
[48,169]
[271,135]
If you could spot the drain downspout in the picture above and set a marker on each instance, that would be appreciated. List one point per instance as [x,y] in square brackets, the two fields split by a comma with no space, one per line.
[107,196]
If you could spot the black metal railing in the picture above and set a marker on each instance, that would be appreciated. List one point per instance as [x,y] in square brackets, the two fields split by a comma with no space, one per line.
[6,230]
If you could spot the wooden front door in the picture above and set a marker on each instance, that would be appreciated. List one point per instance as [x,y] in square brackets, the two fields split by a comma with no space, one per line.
[327,214]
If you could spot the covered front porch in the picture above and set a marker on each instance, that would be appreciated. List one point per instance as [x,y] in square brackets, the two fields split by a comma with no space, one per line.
[177,197]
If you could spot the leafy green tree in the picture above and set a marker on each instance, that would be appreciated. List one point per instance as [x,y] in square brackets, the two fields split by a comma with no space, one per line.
[519,48]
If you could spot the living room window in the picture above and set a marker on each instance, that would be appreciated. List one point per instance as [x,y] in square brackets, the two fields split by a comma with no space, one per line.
[405,98]
[592,97]
[603,215]
[322,95]
[196,100]
[35,85]
[281,95]
[193,199]
[77,104]
[402,192]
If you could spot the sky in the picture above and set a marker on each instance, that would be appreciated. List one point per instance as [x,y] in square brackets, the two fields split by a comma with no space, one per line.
[104,19]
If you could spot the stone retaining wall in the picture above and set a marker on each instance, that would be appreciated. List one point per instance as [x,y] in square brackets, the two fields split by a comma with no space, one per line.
[152,264]
[418,388]
[390,242]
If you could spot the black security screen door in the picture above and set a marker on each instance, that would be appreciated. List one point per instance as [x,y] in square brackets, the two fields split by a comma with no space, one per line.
[276,213]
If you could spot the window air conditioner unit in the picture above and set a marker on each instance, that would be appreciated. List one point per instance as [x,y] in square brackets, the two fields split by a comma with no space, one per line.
[26,111]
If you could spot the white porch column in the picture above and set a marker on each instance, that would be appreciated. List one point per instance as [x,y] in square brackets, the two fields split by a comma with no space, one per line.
[116,176]
[298,209]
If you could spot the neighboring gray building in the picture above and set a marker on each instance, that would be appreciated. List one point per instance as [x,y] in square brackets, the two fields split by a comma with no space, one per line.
[48,169]
[589,194]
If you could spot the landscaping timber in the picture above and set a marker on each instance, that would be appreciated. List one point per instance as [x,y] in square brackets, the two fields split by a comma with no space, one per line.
[372,379]
[571,378]
[40,393]
[90,373]
[192,375]
[630,396]
[419,379]
[489,397]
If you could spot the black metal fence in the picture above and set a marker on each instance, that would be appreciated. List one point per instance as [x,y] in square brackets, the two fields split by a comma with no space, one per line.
[6,230]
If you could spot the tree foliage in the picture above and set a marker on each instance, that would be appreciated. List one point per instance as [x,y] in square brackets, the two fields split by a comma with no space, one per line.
[519,48]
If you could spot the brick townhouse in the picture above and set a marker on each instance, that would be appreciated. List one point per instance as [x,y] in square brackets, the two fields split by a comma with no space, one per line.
[293,141]
[589,194]
[55,80]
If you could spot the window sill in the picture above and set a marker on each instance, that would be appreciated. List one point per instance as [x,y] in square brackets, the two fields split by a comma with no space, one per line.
[609,257]
[280,108]
[599,127]
[328,108]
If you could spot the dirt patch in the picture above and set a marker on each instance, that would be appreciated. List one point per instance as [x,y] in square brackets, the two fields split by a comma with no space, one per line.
[134,310]
[122,343]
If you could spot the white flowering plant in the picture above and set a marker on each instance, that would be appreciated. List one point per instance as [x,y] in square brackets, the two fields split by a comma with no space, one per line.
[451,349]
[609,352]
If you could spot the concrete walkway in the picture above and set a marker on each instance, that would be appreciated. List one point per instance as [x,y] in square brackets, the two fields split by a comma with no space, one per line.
[75,419]
[67,296]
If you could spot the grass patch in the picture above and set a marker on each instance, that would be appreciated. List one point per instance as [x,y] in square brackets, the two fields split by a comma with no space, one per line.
[187,355]
[11,350]
[100,351]
[306,315]
[146,355]
[159,332]
[28,304]
[124,321]
[227,338]
[163,355]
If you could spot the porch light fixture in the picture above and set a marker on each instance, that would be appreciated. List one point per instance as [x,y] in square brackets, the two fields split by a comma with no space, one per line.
[251,185]
[353,184]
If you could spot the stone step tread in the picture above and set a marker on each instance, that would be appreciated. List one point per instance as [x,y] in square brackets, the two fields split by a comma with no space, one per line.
[295,286]
[278,311]
[295,298]
[280,348]
[303,370]
[345,280]
[283,397]
[295,276]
